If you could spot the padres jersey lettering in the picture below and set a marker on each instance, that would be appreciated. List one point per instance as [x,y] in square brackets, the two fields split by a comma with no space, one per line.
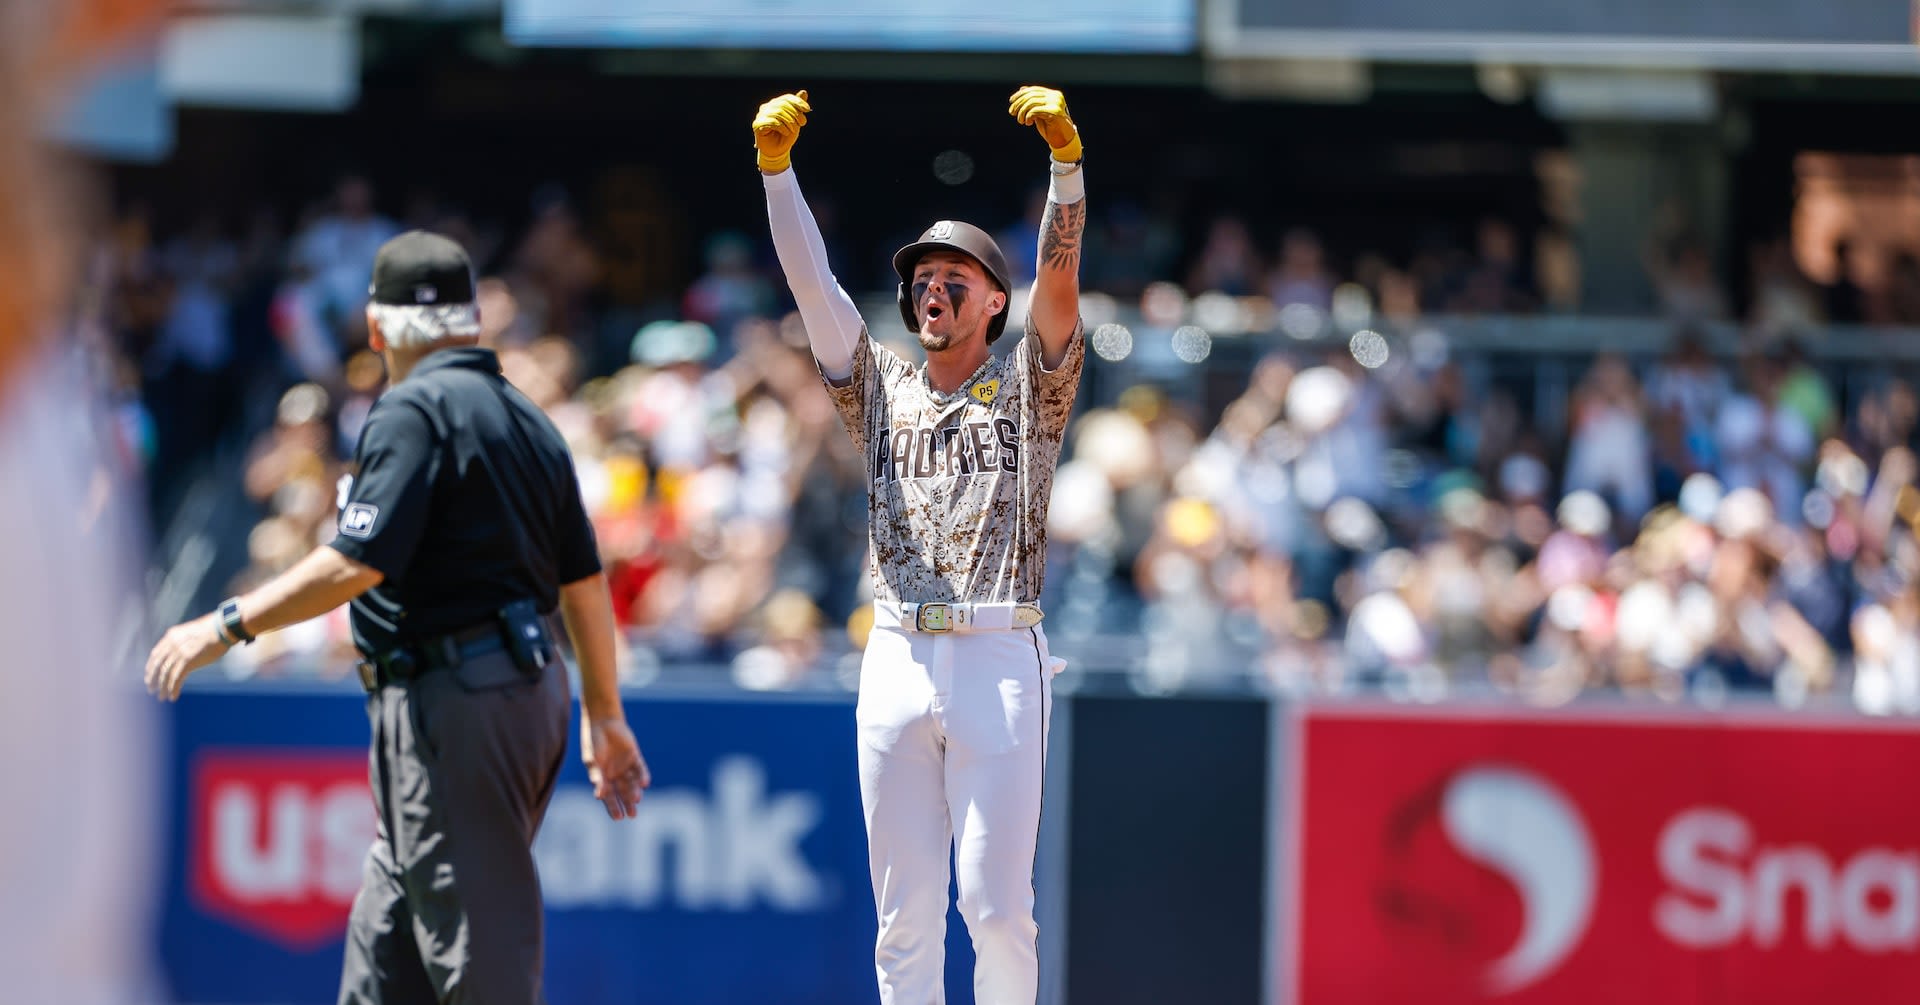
[967,448]
[958,485]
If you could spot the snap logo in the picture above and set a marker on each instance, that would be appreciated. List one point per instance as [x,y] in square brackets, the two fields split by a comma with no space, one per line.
[1518,825]
[1522,829]
[357,520]
[985,391]
[1727,886]
[940,231]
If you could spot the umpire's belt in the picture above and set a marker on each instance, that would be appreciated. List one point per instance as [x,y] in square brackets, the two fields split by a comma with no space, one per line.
[442,652]
[940,617]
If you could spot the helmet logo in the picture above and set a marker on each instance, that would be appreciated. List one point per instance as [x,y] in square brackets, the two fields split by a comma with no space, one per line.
[940,231]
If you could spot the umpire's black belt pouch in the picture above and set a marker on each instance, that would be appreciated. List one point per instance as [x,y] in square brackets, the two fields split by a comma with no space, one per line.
[525,636]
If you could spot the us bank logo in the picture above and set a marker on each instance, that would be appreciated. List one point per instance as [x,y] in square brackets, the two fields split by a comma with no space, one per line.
[279,839]
[739,845]
[1492,868]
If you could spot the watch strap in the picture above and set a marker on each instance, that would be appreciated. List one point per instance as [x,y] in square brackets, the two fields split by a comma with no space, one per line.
[230,619]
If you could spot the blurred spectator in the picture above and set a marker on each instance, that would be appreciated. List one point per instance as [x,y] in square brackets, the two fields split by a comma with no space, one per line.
[789,630]
[1228,262]
[554,270]
[1398,301]
[190,359]
[675,403]
[1684,283]
[1684,395]
[1899,303]
[1020,240]
[298,320]
[364,379]
[293,473]
[731,291]
[1843,299]
[1557,264]
[1384,637]
[1886,642]
[1301,276]
[1341,435]
[137,304]
[1437,418]
[1497,282]
[1886,418]
[1784,301]
[291,468]
[1128,248]
[337,250]
[1762,444]
[1609,451]
[502,325]
[1804,390]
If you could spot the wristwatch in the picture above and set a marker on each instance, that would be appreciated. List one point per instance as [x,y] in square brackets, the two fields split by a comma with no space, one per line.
[230,619]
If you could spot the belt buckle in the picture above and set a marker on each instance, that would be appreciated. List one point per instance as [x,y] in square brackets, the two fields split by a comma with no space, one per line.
[369,675]
[933,617]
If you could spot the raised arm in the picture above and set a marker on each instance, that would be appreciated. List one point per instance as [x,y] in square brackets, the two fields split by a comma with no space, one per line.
[833,323]
[1054,305]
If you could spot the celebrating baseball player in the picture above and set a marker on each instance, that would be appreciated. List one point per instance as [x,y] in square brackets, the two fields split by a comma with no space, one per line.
[956,684]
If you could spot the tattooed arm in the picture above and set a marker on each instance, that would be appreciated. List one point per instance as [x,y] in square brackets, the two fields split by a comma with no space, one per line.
[1054,304]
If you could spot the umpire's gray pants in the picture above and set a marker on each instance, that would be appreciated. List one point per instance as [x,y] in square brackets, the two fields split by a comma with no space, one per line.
[462,764]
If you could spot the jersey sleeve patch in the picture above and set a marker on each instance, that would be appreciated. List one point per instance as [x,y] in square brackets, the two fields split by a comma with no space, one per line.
[357,520]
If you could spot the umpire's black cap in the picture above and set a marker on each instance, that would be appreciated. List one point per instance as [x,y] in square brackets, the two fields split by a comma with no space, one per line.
[969,240]
[419,268]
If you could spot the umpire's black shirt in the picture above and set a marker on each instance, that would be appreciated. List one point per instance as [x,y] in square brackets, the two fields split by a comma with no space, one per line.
[465,500]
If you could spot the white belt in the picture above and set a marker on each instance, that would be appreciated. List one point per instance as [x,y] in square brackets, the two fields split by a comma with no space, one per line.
[939,618]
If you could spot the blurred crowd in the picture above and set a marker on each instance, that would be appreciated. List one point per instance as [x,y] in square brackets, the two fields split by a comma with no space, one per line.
[1702,533]
[1378,515]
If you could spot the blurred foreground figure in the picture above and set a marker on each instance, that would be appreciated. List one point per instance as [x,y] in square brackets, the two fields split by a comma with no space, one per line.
[76,743]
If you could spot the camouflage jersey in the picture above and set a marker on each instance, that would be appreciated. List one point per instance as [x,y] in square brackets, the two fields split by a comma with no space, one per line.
[958,485]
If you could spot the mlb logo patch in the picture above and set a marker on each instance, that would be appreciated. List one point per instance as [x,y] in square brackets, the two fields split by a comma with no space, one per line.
[357,520]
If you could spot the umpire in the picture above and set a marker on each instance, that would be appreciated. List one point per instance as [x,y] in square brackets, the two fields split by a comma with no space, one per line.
[462,531]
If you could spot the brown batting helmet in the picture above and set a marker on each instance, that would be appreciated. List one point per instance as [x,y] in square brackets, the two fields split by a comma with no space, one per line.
[967,239]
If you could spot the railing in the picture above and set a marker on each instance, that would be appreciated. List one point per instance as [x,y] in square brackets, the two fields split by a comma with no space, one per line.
[1194,343]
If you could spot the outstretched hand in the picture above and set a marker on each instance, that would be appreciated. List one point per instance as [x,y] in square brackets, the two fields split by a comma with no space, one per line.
[184,649]
[776,127]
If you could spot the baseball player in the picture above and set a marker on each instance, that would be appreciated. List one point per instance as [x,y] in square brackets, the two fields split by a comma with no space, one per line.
[83,758]
[956,684]
[83,783]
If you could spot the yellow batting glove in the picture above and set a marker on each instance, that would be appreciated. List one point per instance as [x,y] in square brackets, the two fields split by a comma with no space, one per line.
[776,127]
[1045,109]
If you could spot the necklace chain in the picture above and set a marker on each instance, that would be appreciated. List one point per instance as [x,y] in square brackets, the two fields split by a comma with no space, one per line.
[944,398]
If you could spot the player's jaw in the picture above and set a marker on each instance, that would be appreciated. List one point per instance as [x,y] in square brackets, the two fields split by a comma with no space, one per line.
[948,314]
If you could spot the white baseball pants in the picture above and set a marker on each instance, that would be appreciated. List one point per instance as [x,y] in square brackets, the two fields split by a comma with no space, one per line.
[953,736]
